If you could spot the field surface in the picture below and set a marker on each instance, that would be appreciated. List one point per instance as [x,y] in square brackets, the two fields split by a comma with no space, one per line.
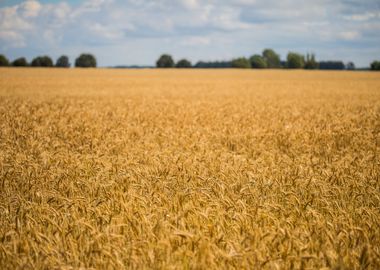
[189,169]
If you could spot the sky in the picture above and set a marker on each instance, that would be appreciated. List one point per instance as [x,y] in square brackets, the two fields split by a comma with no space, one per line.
[137,32]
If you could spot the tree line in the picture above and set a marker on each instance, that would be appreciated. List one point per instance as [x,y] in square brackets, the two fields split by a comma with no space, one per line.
[84,60]
[268,59]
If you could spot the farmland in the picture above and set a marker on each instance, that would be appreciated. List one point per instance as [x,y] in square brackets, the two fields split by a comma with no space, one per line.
[184,169]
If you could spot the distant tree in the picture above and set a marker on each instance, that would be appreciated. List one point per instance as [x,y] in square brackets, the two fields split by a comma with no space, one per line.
[63,62]
[272,58]
[310,62]
[165,61]
[375,65]
[4,62]
[332,65]
[241,62]
[295,60]
[213,64]
[183,63]
[283,64]
[85,60]
[20,62]
[350,66]
[257,61]
[42,61]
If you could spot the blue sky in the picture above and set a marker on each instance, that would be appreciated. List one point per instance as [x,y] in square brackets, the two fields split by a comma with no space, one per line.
[132,32]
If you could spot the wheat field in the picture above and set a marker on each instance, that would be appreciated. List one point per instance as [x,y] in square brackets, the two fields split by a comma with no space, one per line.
[189,169]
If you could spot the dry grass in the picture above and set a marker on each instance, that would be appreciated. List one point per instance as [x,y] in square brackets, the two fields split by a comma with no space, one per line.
[189,169]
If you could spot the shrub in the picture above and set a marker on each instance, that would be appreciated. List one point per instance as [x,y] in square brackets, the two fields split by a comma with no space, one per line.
[183,63]
[213,64]
[331,65]
[241,62]
[258,61]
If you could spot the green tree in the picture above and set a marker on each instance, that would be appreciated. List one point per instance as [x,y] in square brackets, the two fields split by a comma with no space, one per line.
[310,62]
[165,61]
[85,60]
[42,61]
[241,62]
[257,61]
[20,62]
[63,62]
[295,60]
[375,65]
[272,58]
[183,63]
[4,62]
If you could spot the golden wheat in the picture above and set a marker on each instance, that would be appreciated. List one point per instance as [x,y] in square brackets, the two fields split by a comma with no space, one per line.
[204,169]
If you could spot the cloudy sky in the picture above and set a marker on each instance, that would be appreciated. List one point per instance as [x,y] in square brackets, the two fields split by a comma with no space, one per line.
[127,32]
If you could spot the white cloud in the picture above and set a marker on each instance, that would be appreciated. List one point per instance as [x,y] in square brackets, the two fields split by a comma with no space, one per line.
[228,19]
[349,35]
[195,41]
[363,17]
[95,5]
[51,37]
[106,31]
[245,2]
[60,11]
[190,4]
[91,6]
[30,8]
[10,19]
[12,38]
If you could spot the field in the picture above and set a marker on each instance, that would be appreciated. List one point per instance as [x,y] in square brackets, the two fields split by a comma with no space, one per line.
[189,169]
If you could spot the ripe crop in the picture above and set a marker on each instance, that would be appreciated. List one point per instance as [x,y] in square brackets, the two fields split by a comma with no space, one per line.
[176,169]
